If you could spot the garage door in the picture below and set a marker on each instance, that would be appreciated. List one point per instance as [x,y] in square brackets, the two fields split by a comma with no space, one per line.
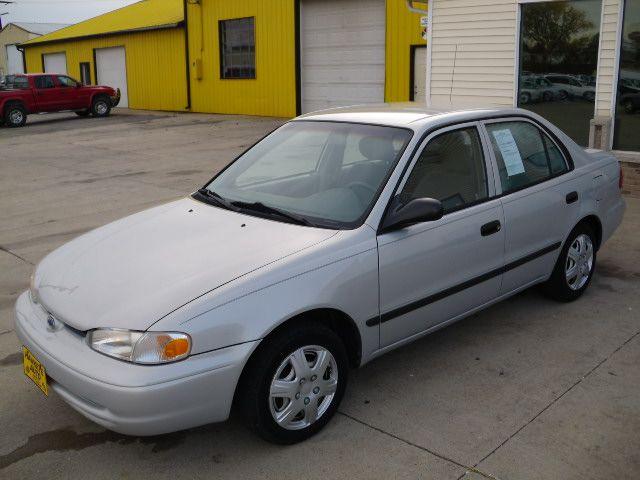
[55,63]
[14,60]
[342,49]
[111,68]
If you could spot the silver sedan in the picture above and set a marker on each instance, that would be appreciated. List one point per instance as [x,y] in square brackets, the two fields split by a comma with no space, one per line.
[340,236]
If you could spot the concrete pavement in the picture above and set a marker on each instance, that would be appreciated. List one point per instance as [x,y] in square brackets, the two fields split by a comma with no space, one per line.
[528,389]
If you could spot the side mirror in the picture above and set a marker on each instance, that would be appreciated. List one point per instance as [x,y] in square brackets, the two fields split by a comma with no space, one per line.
[416,211]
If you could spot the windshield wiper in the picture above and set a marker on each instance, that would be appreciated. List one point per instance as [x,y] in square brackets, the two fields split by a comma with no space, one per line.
[218,199]
[262,208]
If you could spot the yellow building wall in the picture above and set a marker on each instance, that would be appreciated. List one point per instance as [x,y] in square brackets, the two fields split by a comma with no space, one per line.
[273,91]
[403,31]
[156,76]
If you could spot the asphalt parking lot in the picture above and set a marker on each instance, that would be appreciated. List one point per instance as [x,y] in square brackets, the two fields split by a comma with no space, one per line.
[528,389]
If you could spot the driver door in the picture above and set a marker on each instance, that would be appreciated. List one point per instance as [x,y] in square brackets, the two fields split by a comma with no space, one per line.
[434,272]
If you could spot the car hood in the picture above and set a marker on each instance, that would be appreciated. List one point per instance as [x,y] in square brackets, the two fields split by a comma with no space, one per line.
[132,272]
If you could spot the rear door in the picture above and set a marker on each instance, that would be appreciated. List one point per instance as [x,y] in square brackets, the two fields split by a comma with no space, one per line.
[434,272]
[47,93]
[538,198]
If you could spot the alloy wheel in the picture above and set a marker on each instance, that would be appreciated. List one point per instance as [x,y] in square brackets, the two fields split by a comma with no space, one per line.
[16,117]
[579,262]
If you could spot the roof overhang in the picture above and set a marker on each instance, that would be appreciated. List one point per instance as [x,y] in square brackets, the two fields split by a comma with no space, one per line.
[103,35]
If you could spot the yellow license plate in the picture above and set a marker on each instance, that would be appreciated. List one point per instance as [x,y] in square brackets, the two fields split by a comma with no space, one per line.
[35,370]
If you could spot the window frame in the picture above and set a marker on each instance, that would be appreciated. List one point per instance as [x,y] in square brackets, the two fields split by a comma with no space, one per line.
[487,161]
[221,48]
[541,129]
[86,65]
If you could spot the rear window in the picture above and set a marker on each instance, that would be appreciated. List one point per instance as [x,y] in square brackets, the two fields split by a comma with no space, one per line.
[16,82]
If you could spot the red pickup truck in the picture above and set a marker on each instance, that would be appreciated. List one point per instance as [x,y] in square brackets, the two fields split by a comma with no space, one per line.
[21,95]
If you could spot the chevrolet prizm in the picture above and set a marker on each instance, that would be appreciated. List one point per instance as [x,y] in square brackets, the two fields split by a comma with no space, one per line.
[340,236]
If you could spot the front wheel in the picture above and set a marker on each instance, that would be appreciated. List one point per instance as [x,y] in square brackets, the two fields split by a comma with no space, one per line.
[101,107]
[574,269]
[293,384]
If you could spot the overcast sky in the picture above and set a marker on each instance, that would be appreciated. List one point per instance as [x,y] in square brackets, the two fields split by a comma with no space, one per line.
[57,11]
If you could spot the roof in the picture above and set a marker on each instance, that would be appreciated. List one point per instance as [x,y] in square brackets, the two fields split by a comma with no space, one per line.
[412,115]
[140,16]
[40,28]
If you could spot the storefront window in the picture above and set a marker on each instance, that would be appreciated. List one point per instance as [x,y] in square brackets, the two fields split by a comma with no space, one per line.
[558,62]
[627,121]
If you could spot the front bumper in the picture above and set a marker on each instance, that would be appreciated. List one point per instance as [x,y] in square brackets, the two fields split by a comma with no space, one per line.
[115,100]
[127,398]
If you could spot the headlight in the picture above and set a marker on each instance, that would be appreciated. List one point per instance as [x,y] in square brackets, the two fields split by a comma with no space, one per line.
[147,348]
[33,291]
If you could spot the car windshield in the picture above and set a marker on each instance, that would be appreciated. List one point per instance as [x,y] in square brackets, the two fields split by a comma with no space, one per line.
[326,174]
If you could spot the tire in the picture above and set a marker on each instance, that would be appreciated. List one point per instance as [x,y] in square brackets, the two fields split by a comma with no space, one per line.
[101,107]
[563,95]
[15,116]
[525,98]
[547,96]
[280,358]
[83,113]
[562,286]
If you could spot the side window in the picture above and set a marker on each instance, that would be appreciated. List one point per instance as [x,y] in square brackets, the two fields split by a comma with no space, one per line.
[67,82]
[237,48]
[525,155]
[44,81]
[451,168]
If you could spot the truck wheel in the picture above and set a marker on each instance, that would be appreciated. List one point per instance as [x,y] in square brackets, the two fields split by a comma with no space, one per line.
[101,107]
[15,116]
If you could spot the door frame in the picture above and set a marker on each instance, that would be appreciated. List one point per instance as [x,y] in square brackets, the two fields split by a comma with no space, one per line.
[412,69]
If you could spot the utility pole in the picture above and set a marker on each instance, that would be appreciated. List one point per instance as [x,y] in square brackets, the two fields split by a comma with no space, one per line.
[2,2]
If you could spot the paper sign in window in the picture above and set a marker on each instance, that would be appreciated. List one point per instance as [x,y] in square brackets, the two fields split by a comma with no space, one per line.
[509,150]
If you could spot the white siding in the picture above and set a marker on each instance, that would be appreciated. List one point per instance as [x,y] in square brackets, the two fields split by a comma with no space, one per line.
[484,32]
[607,61]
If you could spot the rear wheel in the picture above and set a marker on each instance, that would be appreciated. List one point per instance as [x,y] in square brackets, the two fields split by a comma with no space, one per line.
[574,269]
[101,107]
[293,384]
[627,105]
[15,116]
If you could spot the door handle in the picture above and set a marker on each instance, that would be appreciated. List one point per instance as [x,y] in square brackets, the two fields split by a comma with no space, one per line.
[490,228]
[572,197]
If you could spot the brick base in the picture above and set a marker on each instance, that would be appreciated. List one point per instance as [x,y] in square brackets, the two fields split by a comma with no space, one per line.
[631,172]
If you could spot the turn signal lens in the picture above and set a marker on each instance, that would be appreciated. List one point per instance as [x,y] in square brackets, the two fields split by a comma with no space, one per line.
[145,348]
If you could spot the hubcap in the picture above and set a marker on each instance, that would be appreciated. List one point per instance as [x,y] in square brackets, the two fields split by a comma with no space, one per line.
[16,117]
[101,108]
[303,387]
[579,262]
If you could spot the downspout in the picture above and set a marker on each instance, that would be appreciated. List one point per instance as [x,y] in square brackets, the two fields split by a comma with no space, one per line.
[24,57]
[415,9]
[187,54]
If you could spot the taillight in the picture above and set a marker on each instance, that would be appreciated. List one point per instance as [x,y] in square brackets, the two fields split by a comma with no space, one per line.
[621,178]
